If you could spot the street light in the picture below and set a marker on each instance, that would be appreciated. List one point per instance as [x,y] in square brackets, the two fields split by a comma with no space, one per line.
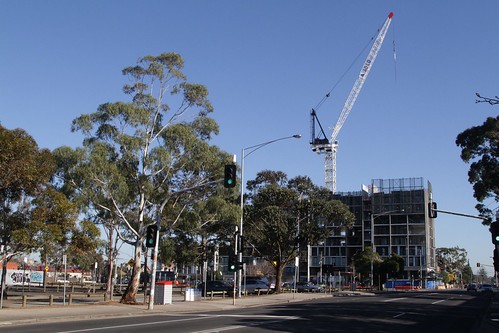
[373,247]
[251,150]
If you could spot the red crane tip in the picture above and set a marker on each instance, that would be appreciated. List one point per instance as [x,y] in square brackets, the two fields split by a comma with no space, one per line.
[390,15]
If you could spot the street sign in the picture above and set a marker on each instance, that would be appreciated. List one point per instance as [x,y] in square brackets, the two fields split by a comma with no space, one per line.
[131,262]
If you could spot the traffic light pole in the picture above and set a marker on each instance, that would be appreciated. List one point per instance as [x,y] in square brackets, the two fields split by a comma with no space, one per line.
[460,214]
[494,229]
[234,283]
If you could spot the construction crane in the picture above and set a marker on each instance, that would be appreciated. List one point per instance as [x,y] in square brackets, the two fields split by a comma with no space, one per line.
[320,144]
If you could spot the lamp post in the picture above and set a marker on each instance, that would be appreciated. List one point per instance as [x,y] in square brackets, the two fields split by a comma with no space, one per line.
[373,247]
[245,152]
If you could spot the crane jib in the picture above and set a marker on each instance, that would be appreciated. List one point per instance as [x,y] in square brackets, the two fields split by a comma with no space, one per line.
[329,147]
[365,68]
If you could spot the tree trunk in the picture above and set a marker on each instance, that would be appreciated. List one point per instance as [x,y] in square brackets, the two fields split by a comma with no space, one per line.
[278,277]
[129,297]
[4,279]
[45,260]
[110,257]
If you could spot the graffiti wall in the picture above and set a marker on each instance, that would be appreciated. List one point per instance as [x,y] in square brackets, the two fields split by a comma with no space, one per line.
[17,277]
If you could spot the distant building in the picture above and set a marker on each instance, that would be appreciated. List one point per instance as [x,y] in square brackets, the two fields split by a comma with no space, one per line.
[398,208]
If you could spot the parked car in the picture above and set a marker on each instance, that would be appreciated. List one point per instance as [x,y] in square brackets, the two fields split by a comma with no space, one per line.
[486,288]
[308,287]
[253,286]
[216,285]
[471,287]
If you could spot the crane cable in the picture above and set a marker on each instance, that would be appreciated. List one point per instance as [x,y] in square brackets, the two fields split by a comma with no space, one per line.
[349,68]
[394,53]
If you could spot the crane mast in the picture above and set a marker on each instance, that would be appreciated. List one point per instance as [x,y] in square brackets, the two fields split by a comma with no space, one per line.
[330,147]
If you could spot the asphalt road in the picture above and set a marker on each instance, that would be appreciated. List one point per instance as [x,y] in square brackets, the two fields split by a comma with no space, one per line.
[423,312]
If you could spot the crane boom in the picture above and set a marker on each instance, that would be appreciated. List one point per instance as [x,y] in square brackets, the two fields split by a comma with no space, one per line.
[364,72]
[330,147]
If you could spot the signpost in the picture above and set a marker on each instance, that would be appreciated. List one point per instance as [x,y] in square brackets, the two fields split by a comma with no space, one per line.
[64,261]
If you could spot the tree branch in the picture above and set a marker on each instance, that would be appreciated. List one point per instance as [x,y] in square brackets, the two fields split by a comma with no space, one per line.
[491,101]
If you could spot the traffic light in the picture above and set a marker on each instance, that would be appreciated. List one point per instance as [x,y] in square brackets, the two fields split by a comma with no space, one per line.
[151,235]
[232,263]
[432,213]
[494,230]
[230,176]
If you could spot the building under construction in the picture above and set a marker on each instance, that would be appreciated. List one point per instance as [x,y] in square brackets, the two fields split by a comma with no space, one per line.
[391,217]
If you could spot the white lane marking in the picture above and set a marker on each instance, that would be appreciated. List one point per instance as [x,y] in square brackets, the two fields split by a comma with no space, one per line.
[440,301]
[251,316]
[130,325]
[229,328]
[219,329]
[394,299]
[399,315]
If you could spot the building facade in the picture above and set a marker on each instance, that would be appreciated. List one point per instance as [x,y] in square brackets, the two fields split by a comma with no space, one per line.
[391,217]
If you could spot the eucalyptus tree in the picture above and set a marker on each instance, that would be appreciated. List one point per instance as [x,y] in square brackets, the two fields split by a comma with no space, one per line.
[53,221]
[480,147]
[365,260]
[391,267]
[85,245]
[452,259]
[147,155]
[281,215]
[25,171]
[34,216]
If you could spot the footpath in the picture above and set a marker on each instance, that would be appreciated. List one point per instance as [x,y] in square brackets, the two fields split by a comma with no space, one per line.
[13,313]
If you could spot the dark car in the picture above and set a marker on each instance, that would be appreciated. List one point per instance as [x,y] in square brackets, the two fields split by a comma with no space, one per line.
[471,287]
[486,288]
[308,287]
[255,286]
[216,286]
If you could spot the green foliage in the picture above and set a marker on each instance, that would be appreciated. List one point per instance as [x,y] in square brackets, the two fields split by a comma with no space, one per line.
[85,245]
[452,259]
[25,172]
[24,169]
[467,274]
[392,266]
[363,261]
[480,146]
[54,216]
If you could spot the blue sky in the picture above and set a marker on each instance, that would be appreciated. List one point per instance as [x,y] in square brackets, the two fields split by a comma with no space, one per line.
[266,64]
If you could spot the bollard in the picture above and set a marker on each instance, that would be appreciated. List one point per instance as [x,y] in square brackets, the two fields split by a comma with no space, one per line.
[25,299]
[70,300]
[105,297]
[51,300]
